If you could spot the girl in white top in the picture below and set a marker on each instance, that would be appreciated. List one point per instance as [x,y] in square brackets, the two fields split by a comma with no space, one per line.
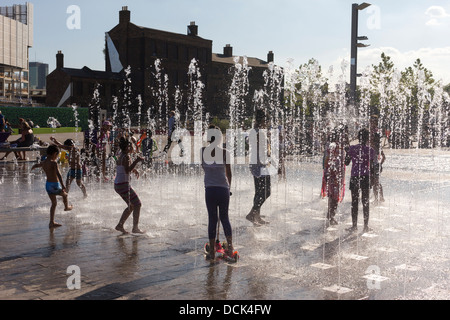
[217,190]
[123,188]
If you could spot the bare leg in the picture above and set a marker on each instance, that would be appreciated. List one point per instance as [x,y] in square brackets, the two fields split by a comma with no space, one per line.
[82,187]
[68,182]
[65,197]
[136,214]
[380,191]
[104,164]
[6,155]
[52,223]
[126,213]
[332,206]
[366,206]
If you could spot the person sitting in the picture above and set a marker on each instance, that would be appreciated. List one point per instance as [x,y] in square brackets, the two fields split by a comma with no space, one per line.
[26,140]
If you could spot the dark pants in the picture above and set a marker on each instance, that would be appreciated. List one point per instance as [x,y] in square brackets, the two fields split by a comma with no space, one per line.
[360,183]
[262,191]
[218,199]
[169,142]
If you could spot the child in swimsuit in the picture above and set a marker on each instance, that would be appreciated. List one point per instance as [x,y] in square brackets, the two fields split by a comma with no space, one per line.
[75,171]
[54,185]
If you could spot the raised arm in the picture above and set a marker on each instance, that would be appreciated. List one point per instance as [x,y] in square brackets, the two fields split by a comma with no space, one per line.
[37,165]
[130,167]
[59,144]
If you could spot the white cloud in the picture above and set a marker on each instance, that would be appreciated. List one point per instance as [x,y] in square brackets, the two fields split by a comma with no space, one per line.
[437,15]
[432,22]
[436,12]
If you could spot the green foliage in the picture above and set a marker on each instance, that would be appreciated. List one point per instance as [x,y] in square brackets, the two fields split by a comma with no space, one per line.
[40,115]
[311,87]
[407,103]
[223,124]
[447,88]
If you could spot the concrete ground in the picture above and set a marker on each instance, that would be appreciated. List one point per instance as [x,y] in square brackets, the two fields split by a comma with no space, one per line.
[82,261]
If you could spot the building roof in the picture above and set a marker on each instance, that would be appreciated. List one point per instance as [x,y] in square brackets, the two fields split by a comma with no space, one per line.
[86,72]
[252,62]
[167,35]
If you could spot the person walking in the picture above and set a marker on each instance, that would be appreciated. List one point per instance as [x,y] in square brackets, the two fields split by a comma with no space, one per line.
[362,158]
[172,127]
[258,168]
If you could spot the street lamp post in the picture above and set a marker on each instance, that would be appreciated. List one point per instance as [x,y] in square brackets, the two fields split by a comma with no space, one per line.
[354,48]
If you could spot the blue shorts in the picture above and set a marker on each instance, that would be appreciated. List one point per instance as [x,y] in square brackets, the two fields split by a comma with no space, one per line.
[75,173]
[53,188]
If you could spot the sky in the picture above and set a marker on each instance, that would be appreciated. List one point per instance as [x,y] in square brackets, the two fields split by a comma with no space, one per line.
[295,30]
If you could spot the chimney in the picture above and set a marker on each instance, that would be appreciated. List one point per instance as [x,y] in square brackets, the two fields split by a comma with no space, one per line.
[270,56]
[192,29]
[228,51]
[59,60]
[124,15]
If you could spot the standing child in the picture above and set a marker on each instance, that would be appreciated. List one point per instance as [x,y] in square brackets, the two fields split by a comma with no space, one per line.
[258,168]
[148,146]
[333,184]
[123,188]
[217,190]
[362,158]
[172,127]
[54,185]
[76,171]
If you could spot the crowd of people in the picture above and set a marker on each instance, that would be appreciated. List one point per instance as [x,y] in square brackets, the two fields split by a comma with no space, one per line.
[366,159]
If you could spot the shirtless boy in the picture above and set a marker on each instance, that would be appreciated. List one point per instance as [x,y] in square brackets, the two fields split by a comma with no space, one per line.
[55,185]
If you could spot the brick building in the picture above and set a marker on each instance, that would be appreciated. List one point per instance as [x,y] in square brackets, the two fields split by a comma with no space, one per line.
[129,45]
[67,86]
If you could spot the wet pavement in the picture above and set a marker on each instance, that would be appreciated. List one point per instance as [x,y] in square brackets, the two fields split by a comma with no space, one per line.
[296,257]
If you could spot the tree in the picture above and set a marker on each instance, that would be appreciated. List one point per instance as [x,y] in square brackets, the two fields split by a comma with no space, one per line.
[311,88]
[403,100]
[447,88]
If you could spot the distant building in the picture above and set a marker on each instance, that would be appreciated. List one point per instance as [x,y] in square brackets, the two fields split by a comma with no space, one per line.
[38,75]
[16,37]
[38,81]
[138,47]
[67,86]
[129,45]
